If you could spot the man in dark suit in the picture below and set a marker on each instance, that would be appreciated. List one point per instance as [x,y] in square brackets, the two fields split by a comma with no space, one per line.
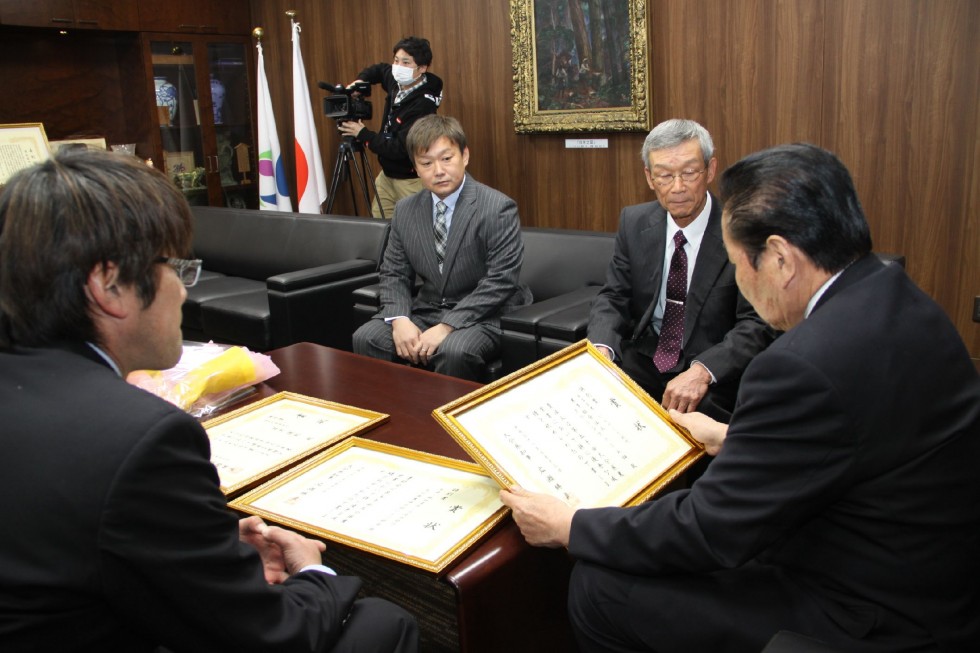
[844,500]
[117,536]
[463,240]
[711,331]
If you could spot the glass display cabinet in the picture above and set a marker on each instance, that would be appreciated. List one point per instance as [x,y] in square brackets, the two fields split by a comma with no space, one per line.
[202,92]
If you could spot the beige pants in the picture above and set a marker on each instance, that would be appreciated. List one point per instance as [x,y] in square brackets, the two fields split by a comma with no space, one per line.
[390,191]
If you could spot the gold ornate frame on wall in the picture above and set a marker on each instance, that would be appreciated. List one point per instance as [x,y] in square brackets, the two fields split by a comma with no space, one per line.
[582,112]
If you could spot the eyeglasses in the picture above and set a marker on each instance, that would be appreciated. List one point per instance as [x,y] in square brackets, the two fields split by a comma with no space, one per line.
[687,176]
[189,270]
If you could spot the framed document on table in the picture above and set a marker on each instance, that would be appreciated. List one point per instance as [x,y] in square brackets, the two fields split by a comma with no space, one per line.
[575,426]
[21,146]
[253,443]
[413,507]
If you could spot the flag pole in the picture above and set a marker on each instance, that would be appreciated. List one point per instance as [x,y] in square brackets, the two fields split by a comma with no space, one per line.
[311,184]
[273,189]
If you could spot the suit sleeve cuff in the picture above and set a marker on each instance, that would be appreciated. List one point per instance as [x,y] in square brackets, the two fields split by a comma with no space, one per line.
[323,569]
[710,373]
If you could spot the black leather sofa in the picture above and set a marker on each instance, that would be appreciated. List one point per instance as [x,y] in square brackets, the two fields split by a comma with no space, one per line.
[564,268]
[273,278]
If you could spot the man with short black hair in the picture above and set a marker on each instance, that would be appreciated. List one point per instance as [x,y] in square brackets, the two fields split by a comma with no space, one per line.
[412,92]
[844,502]
[117,535]
[463,240]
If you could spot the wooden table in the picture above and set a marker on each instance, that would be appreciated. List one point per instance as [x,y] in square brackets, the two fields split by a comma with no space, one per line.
[509,596]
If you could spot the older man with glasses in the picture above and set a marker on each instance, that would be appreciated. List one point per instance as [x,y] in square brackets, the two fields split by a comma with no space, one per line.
[670,313]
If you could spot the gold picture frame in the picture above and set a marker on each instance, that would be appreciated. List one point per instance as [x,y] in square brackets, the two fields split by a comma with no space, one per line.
[253,443]
[415,508]
[177,163]
[575,426]
[21,146]
[572,76]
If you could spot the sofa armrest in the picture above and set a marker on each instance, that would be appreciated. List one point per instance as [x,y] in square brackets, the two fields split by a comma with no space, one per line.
[322,314]
[368,296]
[527,318]
[569,325]
[320,275]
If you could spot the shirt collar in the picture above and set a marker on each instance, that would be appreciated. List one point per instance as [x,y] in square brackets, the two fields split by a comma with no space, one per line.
[820,291]
[104,356]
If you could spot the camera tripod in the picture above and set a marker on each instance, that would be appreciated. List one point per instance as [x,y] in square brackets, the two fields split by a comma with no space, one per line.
[342,172]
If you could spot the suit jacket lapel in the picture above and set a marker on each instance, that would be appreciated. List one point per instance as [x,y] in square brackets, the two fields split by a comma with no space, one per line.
[425,234]
[652,242]
[462,217]
[710,263]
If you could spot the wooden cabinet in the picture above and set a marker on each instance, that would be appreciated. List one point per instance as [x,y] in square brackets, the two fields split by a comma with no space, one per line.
[75,14]
[202,94]
[195,17]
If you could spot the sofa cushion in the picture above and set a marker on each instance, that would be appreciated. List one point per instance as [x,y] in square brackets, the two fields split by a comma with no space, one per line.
[209,289]
[557,261]
[261,244]
[239,320]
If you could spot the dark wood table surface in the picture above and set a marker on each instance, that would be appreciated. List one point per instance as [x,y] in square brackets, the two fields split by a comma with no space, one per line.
[510,596]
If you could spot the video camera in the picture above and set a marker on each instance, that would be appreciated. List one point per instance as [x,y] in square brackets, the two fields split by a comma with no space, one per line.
[345,104]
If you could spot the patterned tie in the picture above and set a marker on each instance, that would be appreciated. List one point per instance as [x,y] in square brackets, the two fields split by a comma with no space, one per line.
[672,327]
[439,227]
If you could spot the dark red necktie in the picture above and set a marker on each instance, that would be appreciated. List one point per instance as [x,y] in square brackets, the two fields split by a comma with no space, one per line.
[672,327]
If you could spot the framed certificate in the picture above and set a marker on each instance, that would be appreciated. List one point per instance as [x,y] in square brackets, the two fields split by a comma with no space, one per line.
[255,442]
[572,425]
[21,146]
[413,507]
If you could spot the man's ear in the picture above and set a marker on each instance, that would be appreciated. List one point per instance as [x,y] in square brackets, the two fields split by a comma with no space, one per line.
[784,258]
[104,291]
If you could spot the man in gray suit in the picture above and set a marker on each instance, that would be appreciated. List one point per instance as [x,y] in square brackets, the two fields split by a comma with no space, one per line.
[463,241]
[686,343]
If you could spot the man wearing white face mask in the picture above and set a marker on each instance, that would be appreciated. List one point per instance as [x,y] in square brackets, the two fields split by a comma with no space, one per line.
[413,92]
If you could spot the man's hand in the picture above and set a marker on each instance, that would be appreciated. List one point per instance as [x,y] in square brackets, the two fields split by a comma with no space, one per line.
[606,351]
[283,552]
[543,519]
[686,390]
[408,339]
[350,128]
[704,429]
[431,339]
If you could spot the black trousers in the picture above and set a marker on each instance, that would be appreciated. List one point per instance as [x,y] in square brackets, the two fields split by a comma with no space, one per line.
[727,611]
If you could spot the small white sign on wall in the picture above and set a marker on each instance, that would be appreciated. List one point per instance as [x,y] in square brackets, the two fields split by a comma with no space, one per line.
[586,143]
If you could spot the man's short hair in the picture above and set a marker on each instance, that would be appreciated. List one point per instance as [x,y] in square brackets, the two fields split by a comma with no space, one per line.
[673,132]
[802,193]
[417,47]
[428,129]
[62,218]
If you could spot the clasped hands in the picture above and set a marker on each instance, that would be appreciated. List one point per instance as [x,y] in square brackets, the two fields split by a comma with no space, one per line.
[283,552]
[413,344]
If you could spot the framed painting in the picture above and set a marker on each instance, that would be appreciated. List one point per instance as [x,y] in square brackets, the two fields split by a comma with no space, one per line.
[580,65]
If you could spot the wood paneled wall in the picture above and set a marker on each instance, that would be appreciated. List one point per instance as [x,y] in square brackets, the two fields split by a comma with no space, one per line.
[891,86]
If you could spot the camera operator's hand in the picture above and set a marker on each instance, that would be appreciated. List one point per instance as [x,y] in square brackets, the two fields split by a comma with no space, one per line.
[356,81]
[351,128]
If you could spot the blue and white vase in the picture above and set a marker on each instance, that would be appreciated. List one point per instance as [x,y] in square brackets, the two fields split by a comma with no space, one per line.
[166,95]
[217,99]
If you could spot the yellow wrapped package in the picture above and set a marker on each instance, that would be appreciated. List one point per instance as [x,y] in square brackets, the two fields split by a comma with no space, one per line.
[206,376]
